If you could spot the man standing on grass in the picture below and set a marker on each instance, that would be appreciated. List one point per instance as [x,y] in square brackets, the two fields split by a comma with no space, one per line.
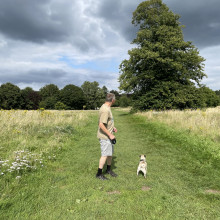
[106,137]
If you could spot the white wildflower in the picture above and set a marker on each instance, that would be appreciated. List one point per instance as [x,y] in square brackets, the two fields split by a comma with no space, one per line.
[5,164]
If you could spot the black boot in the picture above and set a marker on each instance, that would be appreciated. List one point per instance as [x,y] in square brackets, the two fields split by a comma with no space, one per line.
[109,171]
[100,176]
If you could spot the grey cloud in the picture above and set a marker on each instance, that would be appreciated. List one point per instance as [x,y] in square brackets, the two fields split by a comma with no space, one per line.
[118,14]
[32,76]
[78,78]
[50,21]
[61,78]
[35,21]
[46,21]
[58,21]
[201,20]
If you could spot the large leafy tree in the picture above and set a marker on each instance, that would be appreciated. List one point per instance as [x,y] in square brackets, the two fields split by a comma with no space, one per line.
[210,98]
[95,95]
[10,96]
[50,96]
[162,64]
[72,96]
[92,94]
[30,98]
[49,90]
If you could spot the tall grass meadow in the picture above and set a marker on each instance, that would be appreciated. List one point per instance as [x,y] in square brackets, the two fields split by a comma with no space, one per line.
[204,122]
[29,138]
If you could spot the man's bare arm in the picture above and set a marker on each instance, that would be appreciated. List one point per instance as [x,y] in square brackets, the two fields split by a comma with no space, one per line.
[102,126]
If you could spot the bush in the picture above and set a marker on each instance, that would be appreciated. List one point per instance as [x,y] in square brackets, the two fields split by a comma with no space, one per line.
[124,101]
[60,106]
[73,97]
[48,103]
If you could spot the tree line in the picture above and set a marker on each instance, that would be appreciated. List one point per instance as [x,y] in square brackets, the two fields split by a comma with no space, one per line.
[71,97]
[88,96]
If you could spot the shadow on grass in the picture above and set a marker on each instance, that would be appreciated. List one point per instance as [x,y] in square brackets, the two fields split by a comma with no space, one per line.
[123,114]
[114,161]
[113,166]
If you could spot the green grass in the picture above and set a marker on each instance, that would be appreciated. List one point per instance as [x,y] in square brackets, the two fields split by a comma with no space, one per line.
[181,167]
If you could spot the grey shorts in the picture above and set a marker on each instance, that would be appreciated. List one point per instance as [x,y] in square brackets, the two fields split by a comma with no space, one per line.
[107,148]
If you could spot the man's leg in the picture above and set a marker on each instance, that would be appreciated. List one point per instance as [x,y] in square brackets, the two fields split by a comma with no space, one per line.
[109,160]
[102,161]
[106,149]
[109,171]
[101,165]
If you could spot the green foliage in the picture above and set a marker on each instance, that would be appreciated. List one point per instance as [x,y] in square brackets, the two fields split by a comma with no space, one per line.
[48,103]
[49,91]
[60,106]
[1,98]
[95,95]
[10,96]
[161,58]
[26,103]
[30,99]
[72,96]
[168,95]
[209,97]
[35,98]
[50,96]
[217,92]
[104,90]
[124,101]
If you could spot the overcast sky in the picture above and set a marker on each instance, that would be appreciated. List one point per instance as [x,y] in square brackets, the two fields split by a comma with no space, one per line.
[69,42]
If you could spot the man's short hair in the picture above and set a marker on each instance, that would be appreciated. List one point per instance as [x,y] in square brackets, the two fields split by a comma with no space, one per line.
[110,97]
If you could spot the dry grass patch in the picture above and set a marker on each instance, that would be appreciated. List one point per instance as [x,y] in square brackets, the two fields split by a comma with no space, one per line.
[145,188]
[127,109]
[114,192]
[213,191]
[203,122]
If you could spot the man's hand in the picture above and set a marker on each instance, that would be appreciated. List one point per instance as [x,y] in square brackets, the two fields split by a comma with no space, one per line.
[111,136]
[115,130]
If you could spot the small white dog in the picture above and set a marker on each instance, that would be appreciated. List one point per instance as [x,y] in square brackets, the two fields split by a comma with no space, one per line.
[142,165]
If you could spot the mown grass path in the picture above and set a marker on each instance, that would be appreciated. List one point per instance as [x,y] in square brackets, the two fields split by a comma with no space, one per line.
[175,187]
